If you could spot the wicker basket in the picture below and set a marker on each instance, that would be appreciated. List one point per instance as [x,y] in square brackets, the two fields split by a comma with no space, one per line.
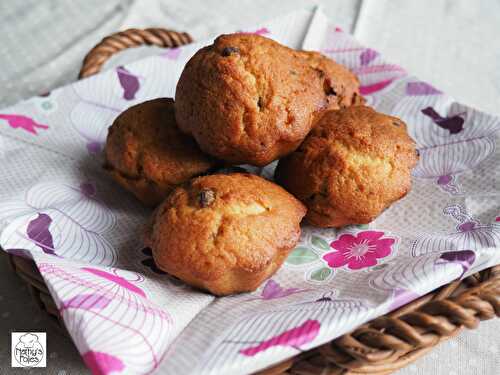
[381,346]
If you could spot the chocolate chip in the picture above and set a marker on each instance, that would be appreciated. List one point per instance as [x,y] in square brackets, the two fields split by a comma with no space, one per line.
[259,102]
[330,91]
[395,123]
[147,251]
[417,152]
[327,88]
[227,51]
[206,197]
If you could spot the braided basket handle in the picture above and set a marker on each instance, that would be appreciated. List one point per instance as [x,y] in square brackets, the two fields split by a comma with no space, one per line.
[130,38]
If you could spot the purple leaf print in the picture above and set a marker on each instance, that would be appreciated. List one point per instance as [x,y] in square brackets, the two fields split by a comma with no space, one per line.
[402,297]
[88,189]
[359,251]
[94,147]
[465,258]
[420,88]
[367,56]
[102,363]
[38,232]
[445,180]
[23,122]
[295,338]
[261,31]
[116,279]
[274,290]
[453,124]
[172,53]
[129,83]
[86,302]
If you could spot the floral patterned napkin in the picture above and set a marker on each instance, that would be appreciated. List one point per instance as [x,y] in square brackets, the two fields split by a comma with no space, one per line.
[58,207]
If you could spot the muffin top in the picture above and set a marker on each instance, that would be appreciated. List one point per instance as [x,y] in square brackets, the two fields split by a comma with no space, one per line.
[225,233]
[250,100]
[148,155]
[353,165]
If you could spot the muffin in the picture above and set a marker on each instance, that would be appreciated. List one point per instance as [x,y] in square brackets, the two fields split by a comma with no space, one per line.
[148,155]
[225,233]
[247,99]
[352,166]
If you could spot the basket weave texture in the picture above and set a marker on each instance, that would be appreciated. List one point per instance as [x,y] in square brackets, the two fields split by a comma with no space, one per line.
[378,347]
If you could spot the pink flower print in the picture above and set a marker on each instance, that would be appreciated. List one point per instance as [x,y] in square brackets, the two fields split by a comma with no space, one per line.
[23,122]
[359,251]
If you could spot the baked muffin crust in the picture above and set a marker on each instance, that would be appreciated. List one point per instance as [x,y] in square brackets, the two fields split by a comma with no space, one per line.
[148,155]
[225,233]
[247,99]
[353,165]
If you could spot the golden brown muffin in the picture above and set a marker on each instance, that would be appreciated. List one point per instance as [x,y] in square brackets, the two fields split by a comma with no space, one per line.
[225,233]
[353,165]
[247,99]
[148,155]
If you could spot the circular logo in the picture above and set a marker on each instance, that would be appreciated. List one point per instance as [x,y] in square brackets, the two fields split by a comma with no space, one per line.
[28,351]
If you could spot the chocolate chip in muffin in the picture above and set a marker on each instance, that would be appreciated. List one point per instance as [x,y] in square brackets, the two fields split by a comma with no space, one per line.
[206,197]
[329,90]
[227,51]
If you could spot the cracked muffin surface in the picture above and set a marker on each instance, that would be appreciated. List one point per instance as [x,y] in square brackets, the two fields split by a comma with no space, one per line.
[247,99]
[225,233]
[352,166]
[148,155]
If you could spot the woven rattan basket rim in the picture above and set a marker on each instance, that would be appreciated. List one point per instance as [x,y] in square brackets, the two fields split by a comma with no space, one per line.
[114,43]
